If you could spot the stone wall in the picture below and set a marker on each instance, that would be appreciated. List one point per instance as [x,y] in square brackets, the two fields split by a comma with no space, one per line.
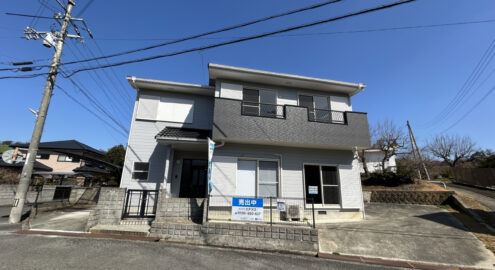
[250,236]
[410,197]
[177,209]
[109,208]
[7,193]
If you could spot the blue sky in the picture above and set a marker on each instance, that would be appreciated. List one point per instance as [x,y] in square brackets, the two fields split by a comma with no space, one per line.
[410,74]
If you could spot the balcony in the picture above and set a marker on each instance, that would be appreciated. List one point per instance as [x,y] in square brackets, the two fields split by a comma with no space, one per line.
[245,122]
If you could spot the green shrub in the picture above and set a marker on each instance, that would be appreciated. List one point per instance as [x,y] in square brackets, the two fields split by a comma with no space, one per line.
[403,176]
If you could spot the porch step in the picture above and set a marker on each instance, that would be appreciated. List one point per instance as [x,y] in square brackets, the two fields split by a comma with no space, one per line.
[136,221]
[128,230]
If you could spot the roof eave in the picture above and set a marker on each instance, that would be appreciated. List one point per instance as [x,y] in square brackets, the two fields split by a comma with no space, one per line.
[150,84]
[217,71]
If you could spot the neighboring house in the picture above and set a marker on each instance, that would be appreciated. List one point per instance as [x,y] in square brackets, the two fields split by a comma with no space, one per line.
[69,160]
[277,135]
[373,159]
[10,173]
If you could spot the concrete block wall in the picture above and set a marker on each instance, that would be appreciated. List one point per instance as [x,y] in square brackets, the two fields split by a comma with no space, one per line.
[170,209]
[251,236]
[7,193]
[410,197]
[108,211]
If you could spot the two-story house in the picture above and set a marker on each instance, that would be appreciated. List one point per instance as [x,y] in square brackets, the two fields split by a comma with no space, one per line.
[276,135]
[69,160]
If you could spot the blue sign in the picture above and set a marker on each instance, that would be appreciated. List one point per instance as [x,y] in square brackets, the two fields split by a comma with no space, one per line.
[247,209]
[247,202]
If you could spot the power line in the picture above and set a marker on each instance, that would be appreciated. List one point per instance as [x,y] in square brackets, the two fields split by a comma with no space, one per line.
[212,32]
[90,111]
[246,38]
[320,33]
[471,109]
[467,85]
[98,105]
[85,8]
[326,33]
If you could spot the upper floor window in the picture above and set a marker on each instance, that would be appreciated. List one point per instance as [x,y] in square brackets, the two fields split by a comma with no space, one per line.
[319,109]
[66,158]
[43,156]
[261,103]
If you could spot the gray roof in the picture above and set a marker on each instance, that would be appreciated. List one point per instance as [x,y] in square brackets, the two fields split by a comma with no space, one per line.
[188,133]
[62,145]
[90,169]
[37,166]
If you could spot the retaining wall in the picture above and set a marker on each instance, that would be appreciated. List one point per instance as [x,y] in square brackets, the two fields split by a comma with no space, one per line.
[108,211]
[410,197]
[175,209]
[250,236]
[7,193]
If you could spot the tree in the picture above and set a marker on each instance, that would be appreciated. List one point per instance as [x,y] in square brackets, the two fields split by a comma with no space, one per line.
[483,159]
[389,138]
[452,149]
[115,155]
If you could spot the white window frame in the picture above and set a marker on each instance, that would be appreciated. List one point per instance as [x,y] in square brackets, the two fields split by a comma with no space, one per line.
[323,205]
[133,171]
[66,159]
[279,186]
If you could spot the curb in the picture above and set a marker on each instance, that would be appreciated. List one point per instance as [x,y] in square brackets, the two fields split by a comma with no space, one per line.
[458,202]
[91,235]
[392,263]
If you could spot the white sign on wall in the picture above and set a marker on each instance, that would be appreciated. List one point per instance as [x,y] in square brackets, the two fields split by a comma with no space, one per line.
[247,209]
[312,189]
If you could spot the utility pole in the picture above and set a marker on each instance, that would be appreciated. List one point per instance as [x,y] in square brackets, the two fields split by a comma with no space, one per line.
[415,147]
[27,170]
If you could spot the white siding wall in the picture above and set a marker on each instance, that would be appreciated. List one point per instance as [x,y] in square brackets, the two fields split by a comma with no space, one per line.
[232,91]
[224,171]
[374,162]
[143,147]
[340,103]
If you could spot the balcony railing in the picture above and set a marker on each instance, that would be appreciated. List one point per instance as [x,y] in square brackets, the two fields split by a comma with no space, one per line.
[278,111]
[326,116]
[263,110]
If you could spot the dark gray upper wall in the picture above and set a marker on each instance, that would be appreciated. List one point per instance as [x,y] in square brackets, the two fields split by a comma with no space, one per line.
[294,130]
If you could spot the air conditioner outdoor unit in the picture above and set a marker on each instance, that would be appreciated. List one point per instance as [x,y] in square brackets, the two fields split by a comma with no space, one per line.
[292,212]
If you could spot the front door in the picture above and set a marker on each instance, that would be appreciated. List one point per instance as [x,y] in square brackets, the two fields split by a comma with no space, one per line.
[193,178]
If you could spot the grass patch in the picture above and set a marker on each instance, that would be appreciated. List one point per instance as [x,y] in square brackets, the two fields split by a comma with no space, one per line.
[4,147]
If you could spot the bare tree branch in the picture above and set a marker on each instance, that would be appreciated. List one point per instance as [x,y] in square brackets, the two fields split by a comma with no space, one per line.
[451,148]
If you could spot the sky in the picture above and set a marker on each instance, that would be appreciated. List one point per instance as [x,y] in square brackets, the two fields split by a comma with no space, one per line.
[411,74]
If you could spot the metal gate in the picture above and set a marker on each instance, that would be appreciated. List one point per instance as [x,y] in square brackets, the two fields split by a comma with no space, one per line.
[140,203]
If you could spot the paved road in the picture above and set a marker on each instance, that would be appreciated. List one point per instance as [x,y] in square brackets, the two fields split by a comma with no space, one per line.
[409,232]
[41,252]
[483,196]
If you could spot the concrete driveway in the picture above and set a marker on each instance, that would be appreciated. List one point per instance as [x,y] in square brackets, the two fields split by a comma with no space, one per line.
[62,220]
[407,232]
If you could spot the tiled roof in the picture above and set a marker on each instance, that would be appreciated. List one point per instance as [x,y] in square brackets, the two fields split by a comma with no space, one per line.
[89,169]
[37,166]
[188,133]
[63,145]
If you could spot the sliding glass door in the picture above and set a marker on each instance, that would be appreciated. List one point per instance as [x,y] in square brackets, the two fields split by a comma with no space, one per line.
[322,185]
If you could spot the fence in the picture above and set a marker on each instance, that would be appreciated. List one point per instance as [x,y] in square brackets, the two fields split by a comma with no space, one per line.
[483,177]
[270,210]
[140,203]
